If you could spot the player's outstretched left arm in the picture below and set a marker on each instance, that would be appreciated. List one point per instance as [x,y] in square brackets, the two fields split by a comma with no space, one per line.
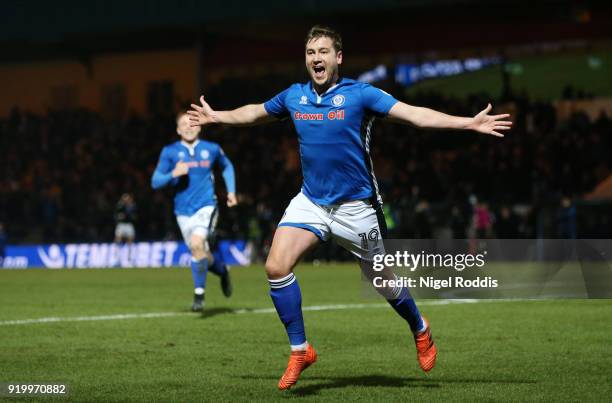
[429,118]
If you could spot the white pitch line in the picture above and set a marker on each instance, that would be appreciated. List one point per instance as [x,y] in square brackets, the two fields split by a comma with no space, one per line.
[335,307]
[338,307]
[314,308]
[93,318]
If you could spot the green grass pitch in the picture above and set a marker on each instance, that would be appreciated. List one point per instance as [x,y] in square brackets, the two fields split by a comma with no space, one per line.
[488,351]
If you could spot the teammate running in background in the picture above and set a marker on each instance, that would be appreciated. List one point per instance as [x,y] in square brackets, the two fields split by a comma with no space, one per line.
[333,118]
[125,217]
[187,166]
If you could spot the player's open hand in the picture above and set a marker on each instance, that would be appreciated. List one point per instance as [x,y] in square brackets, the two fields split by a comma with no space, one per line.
[181,168]
[490,124]
[201,115]
[231,199]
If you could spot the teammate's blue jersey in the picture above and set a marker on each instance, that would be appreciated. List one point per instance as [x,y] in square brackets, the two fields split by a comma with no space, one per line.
[196,189]
[334,132]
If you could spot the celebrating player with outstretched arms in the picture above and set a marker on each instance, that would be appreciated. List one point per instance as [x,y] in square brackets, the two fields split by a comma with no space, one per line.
[339,198]
[401,112]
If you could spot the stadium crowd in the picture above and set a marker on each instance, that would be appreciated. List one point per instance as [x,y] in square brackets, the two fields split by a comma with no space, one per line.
[63,172]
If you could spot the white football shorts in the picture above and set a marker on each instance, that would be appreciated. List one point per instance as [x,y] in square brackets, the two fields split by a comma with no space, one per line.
[202,223]
[356,225]
[125,230]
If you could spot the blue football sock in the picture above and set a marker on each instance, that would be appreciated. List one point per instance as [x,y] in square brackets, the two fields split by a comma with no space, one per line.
[218,266]
[405,306]
[287,299]
[198,271]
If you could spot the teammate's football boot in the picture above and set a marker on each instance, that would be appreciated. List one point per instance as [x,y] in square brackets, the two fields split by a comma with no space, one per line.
[426,348]
[226,283]
[298,362]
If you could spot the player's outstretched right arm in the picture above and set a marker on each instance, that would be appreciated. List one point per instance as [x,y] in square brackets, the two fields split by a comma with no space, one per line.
[248,115]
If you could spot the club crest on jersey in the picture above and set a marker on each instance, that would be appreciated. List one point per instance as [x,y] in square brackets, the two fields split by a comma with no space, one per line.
[303,100]
[204,154]
[338,100]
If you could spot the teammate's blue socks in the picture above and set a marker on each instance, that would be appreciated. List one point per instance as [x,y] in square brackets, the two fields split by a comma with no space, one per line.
[287,299]
[198,271]
[218,266]
[405,306]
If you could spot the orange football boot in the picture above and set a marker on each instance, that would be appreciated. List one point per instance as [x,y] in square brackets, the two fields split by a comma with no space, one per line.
[426,349]
[298,362]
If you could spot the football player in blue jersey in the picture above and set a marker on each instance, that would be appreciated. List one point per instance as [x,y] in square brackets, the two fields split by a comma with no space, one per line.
[339,198]
[187,166]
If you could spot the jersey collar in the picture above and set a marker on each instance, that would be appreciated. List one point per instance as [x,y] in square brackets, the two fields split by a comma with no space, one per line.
[318,98]
[191,148]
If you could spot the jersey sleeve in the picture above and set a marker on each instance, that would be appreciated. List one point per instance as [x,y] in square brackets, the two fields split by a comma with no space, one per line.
[164,165]
[277,106]
[227,171]
[377,100]
[162,175]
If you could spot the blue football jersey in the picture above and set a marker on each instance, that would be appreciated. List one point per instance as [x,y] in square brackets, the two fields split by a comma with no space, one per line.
[334,131]
[196,189]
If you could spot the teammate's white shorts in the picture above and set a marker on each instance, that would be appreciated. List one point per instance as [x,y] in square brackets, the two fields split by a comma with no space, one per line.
[125,230]
[202,223]
[355,225]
